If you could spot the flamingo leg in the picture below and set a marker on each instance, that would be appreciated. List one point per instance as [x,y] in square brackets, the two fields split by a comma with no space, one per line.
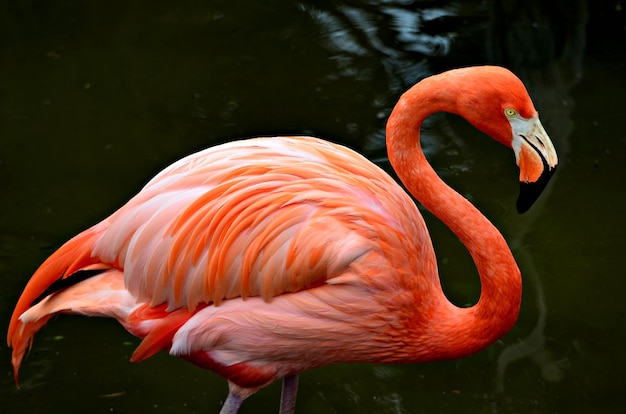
[288,395]
[232,404]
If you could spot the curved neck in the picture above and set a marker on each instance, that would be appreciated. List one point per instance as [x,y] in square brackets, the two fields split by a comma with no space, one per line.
[500,298]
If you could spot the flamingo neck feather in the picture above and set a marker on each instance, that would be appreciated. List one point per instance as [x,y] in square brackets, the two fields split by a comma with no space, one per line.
[498,306]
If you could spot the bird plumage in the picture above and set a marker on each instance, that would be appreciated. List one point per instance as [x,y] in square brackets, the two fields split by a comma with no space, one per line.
[253,220]
[262,258]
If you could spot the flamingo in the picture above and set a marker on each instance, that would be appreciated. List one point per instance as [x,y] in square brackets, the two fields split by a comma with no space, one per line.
[259,259]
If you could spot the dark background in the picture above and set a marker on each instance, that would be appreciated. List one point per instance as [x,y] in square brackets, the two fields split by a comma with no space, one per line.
[98,96]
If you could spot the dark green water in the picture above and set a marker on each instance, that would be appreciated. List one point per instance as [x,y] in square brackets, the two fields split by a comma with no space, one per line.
[96,97]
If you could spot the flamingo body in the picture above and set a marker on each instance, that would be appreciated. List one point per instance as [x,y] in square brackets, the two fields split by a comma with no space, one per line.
[282,236]
[262,258]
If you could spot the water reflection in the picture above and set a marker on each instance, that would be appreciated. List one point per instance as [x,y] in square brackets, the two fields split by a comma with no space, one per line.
[391,32]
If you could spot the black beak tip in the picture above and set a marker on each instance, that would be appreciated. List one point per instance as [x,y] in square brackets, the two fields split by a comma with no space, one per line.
[530,192]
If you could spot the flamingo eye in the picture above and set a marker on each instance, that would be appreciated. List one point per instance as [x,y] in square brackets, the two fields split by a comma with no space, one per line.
[510,113]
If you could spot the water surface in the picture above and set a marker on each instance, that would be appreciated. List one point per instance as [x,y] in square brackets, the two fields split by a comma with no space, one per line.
[96,97]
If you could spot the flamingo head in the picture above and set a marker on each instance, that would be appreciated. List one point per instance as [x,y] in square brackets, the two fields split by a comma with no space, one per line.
[496,101]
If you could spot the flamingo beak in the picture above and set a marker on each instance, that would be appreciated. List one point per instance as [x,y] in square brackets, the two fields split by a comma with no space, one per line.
[536,159]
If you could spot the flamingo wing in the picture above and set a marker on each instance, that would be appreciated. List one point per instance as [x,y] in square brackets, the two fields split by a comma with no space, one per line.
[259,217]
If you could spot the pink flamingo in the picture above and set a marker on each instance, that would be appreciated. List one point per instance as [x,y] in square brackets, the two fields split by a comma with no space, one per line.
[262,258]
